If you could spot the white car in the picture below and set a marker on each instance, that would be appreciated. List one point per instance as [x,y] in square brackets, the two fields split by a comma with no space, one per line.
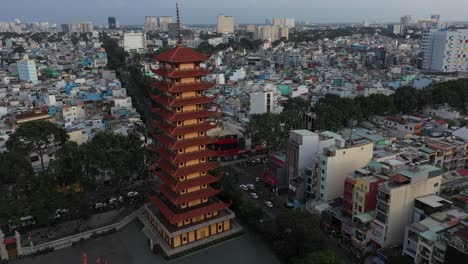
[244,187]
[100,205]
[251,187]
[254,195]
[269,204]
[257,179]
[132,194]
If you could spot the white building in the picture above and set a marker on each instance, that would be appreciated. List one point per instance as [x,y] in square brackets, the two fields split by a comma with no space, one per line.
[395,202]
[134,42]
[261,102]
[151,23]
[272,33]
[27,70]
[163,22]
[445,50]
[284,22]
[337,162]
[225,24]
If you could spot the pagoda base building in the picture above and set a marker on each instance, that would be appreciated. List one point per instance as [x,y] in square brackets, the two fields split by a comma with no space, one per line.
[186,212]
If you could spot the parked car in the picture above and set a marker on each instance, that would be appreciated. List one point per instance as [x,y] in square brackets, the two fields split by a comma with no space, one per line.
[244,187]
[257,179]
[100,205]
[269,204]
[251,187]
[254,195]
[132,194]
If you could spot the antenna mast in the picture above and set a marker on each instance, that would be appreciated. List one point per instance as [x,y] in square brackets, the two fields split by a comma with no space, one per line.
[179,30]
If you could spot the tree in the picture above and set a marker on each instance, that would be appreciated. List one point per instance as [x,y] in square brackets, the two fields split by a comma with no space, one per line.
[320,257]
[67,167]
[329,118]
[406,99]
[19,49]
[205,48]
[38,137]
[45,199]
[293,113]
[267,128]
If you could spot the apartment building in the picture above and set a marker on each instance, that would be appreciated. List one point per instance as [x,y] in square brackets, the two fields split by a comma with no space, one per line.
[337,162]
[395,202]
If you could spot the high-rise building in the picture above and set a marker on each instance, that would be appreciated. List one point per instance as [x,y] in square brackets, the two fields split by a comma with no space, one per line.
[406,21]
[87,27]
[112,22]
[272,33]
[225,24]
[151,23]
[27,70]
[284,22]
[163,22]
[134,42]
[395,202]
[187,212]
[445,50]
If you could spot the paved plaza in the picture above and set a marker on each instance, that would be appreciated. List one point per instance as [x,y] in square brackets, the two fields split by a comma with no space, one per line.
[129,246]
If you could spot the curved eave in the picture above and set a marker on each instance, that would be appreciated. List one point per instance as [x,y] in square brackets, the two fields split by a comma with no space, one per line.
[175,185]
[184,157]
[182,130]
[172,102]
[184,171]
[178,199]
[200,72]
[175,145]
[175,218]
[182,87]
[180,116]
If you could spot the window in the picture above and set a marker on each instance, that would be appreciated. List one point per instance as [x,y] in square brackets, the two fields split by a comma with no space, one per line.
[202,133]
[187,220]
[436,184]
[323,162]
[202,146]
[204,185]
[202,159]
[181,150]
[184,238]
[179,123]
[321,187]
[198,92]
[203,172]
[344,152]
[178,109]
[323,171]
[220,227]
[181,164]
[201,119]
[180,137]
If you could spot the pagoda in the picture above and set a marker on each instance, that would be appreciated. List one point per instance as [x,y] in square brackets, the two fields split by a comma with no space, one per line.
[186,209]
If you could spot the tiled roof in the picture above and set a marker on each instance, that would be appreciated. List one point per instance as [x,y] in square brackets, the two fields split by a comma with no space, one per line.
[175,218]
[178,199]
[181,73]
[180,54]
[182,87]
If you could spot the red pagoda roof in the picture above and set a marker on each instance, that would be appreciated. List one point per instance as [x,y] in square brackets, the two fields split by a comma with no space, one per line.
[175,145]
[171,73]
[178,199]
[177,186]
[181,53]
[184,171]
[175,218]
[184,157]
[172,102]
[173,88]
[179,116]
[182,130]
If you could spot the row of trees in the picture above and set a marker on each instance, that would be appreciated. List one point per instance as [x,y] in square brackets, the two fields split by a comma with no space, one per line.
[69,178]
[295,237]
[317,34]
[335,113]
[242,44]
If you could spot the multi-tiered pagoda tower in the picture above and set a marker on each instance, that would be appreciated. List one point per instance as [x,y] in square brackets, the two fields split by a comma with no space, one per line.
[187,209]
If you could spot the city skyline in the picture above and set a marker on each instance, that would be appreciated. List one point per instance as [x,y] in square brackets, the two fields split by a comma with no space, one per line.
[244,11]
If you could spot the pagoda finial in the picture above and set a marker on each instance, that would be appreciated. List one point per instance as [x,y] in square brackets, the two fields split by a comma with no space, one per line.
[179,30]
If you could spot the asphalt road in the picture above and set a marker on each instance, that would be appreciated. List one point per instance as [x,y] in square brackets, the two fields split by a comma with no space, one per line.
[247,175]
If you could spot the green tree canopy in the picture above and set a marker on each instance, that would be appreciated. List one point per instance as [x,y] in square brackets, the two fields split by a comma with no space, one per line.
[37,137]
[320,257]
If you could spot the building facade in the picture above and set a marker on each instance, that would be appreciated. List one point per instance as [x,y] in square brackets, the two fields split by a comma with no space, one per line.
[112,22]
[187,211]
[225,24]
[134,42]
[445,50]
[395,202]
[27,70]
[163,22]
[151,23]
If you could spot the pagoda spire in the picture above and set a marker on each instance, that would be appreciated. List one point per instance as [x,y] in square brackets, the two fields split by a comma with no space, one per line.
[179,30]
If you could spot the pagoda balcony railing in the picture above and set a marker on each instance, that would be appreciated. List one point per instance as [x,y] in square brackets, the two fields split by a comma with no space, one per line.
[175,218]
[184,171]
[174,73]
[185,115]
[178,102]
[186,87]
[181,185]
[182,130]
[178,199]
[176,158]
[185,143]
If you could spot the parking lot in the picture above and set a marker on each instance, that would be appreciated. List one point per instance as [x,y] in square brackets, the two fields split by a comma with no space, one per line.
[247,173]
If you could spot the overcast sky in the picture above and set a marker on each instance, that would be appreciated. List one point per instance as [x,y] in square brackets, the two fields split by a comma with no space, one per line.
[244,11]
